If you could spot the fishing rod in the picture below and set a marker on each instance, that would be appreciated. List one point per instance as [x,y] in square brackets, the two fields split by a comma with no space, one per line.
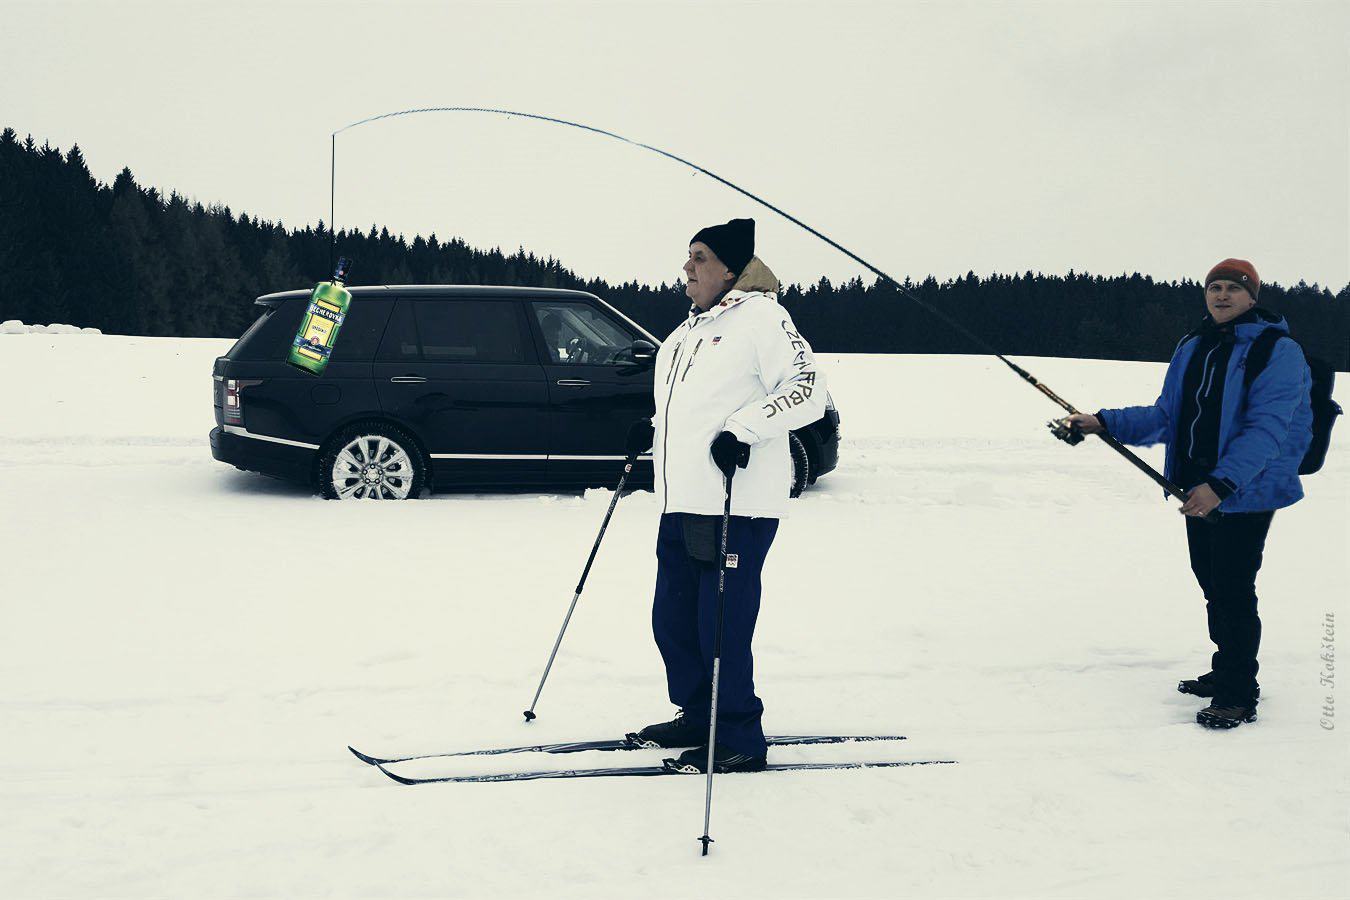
[1061,428]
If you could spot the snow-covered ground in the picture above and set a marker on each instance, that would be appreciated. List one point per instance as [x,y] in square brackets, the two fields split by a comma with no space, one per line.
[188,649]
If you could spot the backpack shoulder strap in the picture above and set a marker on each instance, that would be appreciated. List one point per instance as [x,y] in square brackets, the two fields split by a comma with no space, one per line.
[1259,355]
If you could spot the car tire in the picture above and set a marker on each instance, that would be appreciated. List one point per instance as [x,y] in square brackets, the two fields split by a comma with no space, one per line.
[801,465]
[371,461]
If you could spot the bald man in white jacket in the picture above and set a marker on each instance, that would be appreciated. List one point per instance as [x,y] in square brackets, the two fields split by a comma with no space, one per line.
[731,382]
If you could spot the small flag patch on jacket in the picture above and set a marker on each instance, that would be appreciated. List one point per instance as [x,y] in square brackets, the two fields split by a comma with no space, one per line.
[716,339]
[733,559]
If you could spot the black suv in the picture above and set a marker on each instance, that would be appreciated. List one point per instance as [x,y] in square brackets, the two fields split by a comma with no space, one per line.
[452,387]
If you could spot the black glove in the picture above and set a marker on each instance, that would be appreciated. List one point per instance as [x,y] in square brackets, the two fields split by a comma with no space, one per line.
[640,436]
[729,452]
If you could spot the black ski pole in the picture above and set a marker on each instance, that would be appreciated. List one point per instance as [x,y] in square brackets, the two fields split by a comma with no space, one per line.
[613,501]
[717,665]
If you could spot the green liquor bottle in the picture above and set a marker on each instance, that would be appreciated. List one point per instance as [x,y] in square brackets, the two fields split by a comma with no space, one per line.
[318,333]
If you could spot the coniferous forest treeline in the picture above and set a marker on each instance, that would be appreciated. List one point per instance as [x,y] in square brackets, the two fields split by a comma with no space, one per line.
[128,260]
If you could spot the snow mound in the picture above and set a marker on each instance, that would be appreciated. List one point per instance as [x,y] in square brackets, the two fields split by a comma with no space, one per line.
[14,326]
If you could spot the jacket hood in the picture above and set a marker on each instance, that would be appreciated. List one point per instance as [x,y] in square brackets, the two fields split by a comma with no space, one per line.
[756,277]
[1250,324]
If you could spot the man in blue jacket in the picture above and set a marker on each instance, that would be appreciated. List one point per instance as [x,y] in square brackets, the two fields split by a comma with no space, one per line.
[1231,448]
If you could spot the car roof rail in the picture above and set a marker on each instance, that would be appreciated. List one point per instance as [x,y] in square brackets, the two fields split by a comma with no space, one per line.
[442,291]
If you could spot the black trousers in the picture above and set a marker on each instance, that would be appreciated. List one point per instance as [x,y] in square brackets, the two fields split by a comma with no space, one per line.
[1225,558]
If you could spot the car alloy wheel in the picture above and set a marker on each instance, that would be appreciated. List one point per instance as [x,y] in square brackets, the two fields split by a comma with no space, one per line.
[368,465]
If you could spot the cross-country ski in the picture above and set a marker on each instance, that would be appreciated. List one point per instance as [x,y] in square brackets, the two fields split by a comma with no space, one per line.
[778,740]
[653,771]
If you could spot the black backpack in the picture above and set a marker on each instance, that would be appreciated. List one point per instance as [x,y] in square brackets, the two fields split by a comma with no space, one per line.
[1324,409]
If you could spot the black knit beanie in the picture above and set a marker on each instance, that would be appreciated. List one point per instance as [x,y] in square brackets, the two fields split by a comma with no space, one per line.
[734,242]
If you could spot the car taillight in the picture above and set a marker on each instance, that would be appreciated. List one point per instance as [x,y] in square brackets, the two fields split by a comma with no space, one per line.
[233,407]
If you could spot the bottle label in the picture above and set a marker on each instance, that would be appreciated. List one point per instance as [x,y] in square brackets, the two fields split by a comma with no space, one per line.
[316,341]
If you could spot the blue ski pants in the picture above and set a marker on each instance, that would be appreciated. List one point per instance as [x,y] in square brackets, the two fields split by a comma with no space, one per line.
[684,621]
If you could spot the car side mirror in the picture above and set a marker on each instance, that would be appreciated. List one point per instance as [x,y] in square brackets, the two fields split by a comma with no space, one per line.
[643,352]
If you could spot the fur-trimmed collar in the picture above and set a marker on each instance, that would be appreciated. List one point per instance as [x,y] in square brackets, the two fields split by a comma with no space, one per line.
[756,278]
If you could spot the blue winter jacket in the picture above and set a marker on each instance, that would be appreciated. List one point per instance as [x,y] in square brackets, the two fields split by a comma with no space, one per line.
[1263,433]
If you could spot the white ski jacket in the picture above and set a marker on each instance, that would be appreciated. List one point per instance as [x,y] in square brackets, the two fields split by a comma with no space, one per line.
[740,367]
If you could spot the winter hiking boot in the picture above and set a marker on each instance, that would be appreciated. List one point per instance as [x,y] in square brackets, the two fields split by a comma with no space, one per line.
[1229,716]
[678,732]
[1204,686]
[1200,687]
[695,761]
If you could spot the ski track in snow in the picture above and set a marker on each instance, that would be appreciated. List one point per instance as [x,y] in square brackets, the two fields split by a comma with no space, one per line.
[184,665]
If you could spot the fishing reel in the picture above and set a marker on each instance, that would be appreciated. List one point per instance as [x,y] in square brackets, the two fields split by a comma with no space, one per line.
[1066,431]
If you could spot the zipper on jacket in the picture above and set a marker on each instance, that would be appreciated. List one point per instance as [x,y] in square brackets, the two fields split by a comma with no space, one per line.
[674,360]
[665,432]
[1201,387]
[690,364]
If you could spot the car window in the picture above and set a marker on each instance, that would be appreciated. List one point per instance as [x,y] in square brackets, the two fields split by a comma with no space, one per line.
[485,331]
[247,336]
[271,335]
[400,336]
[361,330]
[578,333]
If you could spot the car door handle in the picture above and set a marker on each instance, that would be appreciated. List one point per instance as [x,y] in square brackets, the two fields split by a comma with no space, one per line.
[573,382]
[408,379]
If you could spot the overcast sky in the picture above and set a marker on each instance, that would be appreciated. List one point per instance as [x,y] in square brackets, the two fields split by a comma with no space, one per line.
[928,137]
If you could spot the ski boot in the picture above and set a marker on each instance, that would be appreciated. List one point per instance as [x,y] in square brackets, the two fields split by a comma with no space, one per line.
[678,732]
[695,761]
